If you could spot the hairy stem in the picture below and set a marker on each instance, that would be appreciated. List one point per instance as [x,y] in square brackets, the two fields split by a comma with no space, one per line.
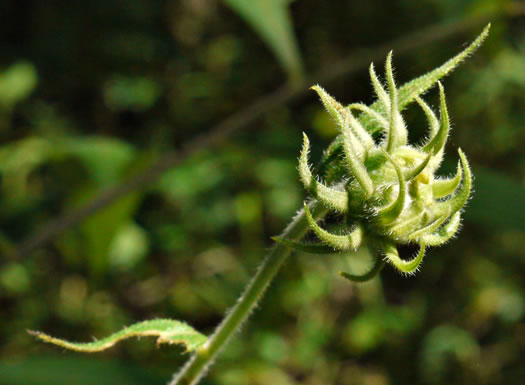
[201,360]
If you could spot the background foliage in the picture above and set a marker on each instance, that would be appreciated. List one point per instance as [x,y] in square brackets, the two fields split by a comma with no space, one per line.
[94,92]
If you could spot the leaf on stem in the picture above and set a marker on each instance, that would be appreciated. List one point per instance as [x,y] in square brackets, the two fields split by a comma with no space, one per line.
[168,332]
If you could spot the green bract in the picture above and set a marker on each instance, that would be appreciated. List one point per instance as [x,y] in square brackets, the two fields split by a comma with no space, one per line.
[384,188]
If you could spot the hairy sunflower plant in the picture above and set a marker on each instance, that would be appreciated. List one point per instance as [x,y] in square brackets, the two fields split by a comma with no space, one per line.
[385,191]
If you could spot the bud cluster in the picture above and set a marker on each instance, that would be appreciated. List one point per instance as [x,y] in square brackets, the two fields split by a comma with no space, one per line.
[385,189]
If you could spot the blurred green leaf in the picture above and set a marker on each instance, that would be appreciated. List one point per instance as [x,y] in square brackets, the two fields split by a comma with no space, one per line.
[138,94]
[129,246]
[374,325]
[17,161]
[99,231]
[68,370]
[441,347]
[15,278]
[366,331]
[17,82]
[105,158]
[271,20]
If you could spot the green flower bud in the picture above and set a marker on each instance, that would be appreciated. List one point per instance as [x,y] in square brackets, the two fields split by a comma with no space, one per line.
[386,190]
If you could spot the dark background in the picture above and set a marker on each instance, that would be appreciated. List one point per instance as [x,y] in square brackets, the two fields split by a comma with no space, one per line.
[92,93]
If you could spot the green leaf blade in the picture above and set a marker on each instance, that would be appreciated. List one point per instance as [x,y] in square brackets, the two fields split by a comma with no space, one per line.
[272,21]
[168,332]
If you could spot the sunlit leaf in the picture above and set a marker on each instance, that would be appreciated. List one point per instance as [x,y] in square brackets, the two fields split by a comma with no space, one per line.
[167,331]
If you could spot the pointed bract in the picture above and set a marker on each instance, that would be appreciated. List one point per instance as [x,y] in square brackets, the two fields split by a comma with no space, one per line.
[367,110]
[359,131]
[336,110]
[402,228]
[381,94]
[390,213]
[418,86]
[350,241]
[337,200]
[409,91]
[414,172]
[406,267]
[437,143]
[397,133]
[428,229]
[433,121]
[458,201]
[443,187]
[445,233]
[355,166]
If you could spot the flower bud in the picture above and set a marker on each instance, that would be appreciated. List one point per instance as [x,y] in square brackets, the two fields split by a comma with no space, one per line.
[386,190]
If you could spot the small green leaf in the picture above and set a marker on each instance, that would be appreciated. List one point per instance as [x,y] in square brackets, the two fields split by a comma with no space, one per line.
[168,332]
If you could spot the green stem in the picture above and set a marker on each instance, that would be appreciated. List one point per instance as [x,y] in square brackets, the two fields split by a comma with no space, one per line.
[198,364]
